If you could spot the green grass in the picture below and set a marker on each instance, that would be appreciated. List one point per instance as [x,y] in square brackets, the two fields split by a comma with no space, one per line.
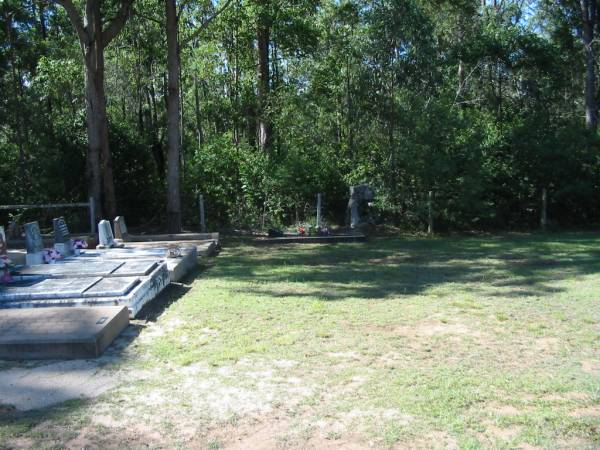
[478,342]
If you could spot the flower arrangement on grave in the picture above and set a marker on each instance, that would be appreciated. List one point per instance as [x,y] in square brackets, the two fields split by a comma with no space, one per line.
[6,267]
[78,245]
[51,256]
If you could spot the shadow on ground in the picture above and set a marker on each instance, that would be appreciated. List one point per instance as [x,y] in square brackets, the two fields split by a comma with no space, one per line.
[517,265]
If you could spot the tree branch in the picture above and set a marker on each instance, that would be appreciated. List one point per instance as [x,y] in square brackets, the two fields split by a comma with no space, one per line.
[117,24]
[204,24]
[143,16]
[75,20]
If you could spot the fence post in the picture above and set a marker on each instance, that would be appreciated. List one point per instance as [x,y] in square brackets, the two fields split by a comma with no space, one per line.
[544,219]
[430,213]
[201,207]
[319,202]
[92,207]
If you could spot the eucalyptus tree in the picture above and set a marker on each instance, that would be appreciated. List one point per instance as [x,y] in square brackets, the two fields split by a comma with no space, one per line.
[95,33]
[174,46]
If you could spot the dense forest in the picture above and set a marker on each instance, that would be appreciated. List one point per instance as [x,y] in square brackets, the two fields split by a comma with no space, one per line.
[261,104]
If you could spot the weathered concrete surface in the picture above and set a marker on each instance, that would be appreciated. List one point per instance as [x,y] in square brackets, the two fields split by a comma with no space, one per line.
[134,292]
[203,247]
[53,383]
[177,267]
[59,333]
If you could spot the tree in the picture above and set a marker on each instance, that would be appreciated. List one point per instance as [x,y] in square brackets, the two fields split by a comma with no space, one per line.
[93,39]
[589,20]
[263,39]
[173,108]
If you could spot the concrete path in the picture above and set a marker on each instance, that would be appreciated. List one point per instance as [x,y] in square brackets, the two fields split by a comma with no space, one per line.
[52,383]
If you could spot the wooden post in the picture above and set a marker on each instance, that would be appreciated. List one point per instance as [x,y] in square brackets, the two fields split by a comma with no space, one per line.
[430,213]
[92,207]
[544,218]
[201,207]
[319,202]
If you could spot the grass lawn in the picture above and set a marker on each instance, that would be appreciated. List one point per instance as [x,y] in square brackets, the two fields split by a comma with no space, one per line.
[459,342]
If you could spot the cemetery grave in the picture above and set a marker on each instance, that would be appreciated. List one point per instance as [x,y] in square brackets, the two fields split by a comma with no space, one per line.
[360,197]
[110,276]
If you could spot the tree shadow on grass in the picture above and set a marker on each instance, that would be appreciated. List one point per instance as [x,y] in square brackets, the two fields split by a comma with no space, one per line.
[506,265]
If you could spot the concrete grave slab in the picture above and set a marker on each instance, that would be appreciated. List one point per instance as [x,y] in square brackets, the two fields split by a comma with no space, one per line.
[112,287]
[59,333]
[73,268]
[136,257]
[137,294]
[46,288]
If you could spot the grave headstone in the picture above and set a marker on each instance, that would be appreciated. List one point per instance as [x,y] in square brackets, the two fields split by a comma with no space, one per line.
[13,230]
[34,244]
[106,238]
[121,233]
[360,196]
[62,237]
[3,250]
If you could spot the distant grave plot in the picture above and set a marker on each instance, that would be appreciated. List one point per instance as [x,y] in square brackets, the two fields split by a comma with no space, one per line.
[299,239]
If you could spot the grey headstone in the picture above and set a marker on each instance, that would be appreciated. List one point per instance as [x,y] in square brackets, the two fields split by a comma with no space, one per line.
[62,237]
[2,242]
[106,238]
[359,195]
[121,232]
[33,238]
[13,230]
[61,231]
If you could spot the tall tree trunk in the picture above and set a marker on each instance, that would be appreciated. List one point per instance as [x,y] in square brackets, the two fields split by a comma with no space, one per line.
[93,40]
[99,161]
[173,119]
[588,16]
[263,82]
[199,131]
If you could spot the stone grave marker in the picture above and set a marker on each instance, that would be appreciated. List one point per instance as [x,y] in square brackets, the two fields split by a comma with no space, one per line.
[62,237]
[106,238]
[3,250]
[34,244]
[121,233]
[13,230]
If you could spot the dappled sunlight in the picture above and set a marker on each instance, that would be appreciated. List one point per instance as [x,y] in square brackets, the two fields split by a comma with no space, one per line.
[504,266]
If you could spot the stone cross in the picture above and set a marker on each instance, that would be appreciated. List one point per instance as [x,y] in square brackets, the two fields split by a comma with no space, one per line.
[62,237]
[106,238]
[34,244]
[121,232]
[3,250]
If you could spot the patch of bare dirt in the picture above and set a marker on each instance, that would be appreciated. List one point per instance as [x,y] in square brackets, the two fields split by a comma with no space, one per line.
[267,434]
[19,443]
[504,433]
[504,410]
[434,439]
[429,328]
[590,366]
[588,411]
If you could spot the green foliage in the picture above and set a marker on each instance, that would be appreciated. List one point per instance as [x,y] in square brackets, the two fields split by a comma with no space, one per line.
[359,92]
